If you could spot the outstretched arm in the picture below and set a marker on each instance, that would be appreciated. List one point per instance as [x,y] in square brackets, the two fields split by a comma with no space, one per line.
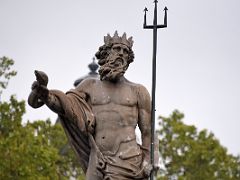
[63,104]
[42,95]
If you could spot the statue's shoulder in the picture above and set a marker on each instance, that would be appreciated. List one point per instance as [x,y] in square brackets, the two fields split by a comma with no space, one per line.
[87,84]
[137,87]
[143,96]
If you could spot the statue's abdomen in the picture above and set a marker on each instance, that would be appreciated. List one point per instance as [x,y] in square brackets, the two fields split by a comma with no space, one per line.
[114,127]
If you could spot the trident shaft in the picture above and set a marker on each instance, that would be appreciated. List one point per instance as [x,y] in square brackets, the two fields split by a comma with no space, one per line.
[155,26]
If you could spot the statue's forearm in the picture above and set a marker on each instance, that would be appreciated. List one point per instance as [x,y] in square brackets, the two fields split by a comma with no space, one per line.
[53,102]
[144,124]
[145,128]
[146,163]
[146,142]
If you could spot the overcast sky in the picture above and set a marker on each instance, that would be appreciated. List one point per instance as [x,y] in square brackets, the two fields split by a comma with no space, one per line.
[198,61]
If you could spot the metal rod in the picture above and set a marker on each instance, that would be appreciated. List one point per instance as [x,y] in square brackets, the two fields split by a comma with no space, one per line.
[155,26]
[153,86]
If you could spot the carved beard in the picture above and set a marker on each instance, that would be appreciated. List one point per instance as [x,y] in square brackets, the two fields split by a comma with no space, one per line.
[113,69]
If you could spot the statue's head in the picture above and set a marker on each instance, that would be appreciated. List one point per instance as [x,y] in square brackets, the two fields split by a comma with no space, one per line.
[114,56]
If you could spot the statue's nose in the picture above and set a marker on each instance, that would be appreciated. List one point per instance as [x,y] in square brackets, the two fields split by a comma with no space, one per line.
[120,52]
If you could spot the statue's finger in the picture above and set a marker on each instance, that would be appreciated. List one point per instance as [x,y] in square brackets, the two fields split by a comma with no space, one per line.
[35,85]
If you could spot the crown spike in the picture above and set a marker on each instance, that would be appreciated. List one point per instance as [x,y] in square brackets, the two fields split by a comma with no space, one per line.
[130,40]
[107,38]
[115,34]
[124,36]
[118,40]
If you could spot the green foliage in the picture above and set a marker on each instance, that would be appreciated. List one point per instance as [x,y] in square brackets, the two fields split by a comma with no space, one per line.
[189,154]
[33,151]
[5,72]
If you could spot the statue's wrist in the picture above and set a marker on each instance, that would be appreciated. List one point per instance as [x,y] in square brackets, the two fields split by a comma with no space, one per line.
[44,94]
[147,167]
[48,98]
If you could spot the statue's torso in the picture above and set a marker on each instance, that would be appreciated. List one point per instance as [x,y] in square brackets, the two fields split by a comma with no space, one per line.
[115,109]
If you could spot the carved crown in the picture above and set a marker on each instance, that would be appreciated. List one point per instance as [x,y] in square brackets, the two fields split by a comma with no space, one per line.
[118,40]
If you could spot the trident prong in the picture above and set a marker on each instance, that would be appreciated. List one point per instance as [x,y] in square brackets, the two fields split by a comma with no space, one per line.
[145,17]
[155,25]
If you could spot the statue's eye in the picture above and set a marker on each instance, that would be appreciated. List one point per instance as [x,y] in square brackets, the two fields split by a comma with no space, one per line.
[125,51]
[117,49]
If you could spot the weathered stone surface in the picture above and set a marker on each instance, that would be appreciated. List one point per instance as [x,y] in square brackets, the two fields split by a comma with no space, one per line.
[100,116]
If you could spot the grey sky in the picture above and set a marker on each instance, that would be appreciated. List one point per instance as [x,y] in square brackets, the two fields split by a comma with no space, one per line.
[198,63]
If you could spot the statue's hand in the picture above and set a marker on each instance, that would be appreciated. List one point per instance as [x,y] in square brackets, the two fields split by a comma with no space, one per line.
[147,168]
[41,77]
[39,90]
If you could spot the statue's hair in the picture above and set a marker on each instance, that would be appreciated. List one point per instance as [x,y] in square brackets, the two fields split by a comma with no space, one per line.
[104,51]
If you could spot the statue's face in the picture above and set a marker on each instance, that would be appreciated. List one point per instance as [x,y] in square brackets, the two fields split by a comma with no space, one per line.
[120,50]
[116,63]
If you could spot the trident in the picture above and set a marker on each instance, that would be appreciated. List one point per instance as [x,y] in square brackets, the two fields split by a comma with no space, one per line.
[155,26]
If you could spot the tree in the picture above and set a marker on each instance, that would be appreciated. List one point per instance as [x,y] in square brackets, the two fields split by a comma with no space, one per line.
[33,150]
[5,72]
[189,154]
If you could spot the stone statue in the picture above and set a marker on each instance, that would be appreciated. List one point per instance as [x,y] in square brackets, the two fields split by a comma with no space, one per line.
[99,116]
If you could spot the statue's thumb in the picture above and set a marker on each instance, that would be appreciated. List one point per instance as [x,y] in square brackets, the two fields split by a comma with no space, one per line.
[41,77]
[33,98]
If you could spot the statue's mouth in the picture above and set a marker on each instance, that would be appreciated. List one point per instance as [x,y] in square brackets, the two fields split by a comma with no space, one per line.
[118,62]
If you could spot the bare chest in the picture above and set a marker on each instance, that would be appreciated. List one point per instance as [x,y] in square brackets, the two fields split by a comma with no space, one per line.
[121,95]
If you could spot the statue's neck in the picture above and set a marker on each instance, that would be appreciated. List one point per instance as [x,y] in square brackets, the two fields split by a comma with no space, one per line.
[117,81]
